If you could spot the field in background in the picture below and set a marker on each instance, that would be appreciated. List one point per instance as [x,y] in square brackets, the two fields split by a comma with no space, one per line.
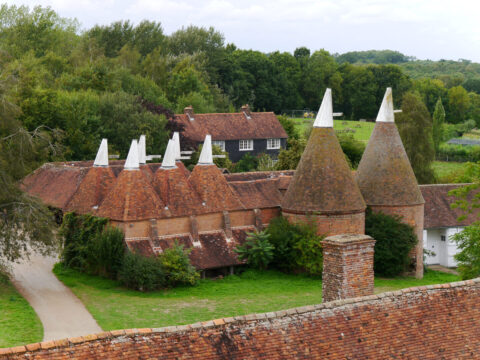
[360,130]
[115,307]
[19,324]
[446,172]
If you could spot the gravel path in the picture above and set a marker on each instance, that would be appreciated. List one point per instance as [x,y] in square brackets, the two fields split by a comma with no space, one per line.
[60,311]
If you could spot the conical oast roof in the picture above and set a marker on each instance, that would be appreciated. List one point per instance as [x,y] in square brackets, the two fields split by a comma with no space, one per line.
[385,176]
[176,192]
[323,182]
[209,182]
[91,191]
[131,198]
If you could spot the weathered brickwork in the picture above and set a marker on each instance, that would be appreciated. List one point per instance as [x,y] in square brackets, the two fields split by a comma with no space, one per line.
[432,322]
[413,216]
[332,224]
[347,267]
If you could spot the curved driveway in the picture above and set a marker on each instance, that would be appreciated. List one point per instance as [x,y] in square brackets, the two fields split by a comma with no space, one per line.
[60,311]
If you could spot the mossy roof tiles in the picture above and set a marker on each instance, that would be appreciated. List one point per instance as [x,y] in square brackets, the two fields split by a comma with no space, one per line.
[323,182]
[384,175]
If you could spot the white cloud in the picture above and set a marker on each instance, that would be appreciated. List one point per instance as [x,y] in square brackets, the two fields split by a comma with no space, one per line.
[423,28]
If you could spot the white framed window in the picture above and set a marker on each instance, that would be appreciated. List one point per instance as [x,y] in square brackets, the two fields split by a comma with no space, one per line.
[219,143]
[245,145]
[273,144]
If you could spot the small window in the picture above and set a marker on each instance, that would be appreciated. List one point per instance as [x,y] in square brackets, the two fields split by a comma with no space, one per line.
[245,145]
[443,238]
[219,143]
[273,144]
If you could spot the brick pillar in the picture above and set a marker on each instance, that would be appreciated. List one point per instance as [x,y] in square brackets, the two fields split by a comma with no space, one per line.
[347,266]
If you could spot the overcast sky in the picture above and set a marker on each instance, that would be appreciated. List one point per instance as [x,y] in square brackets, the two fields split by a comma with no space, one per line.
[427,29]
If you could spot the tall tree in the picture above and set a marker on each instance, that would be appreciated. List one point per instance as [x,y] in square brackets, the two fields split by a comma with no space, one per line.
[438,120]
[458,104]
[416,128]
[25,223]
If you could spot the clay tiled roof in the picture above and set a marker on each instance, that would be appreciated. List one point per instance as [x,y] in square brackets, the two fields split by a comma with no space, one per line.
[384,175]
[214,250]
[258,193]
[131,198]
[438,210]
[54,183]
[213,188]
[323,181]
[438,322]
[92,190]
[176,192]
[232,126]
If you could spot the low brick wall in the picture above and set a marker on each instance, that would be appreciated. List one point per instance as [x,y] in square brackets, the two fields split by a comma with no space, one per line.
[431,322]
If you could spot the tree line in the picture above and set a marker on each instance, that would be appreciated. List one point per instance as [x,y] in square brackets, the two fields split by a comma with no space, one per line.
[92,84]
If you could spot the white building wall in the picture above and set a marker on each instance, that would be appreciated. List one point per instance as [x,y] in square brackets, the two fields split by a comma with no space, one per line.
[444,250]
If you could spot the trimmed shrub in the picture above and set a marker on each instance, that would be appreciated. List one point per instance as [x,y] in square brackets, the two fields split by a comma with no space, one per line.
[393,242]
[177,267]
[257,250]
[141,273]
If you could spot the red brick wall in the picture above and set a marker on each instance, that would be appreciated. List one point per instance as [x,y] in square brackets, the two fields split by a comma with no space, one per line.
[411,215]
[433,322]
[332,224]
[347,267]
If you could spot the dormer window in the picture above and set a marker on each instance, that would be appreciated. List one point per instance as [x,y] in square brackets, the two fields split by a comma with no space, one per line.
[273,144]
[245,145]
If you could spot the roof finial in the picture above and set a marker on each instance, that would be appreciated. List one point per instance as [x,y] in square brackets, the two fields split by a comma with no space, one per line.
[102,155]
[206,157]
[385,114]
[142,151]
[169,157]
[132,159]
[176,139]
[325,114]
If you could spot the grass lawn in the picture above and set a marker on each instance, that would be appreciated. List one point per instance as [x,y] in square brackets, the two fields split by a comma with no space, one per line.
[362,130]
[19,324]
[445,172]
[115,307]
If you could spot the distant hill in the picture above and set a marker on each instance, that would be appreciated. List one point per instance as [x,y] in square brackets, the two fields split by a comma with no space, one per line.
[462,72]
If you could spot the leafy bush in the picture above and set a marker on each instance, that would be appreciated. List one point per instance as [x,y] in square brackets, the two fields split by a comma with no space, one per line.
[449,131]
[352,148]
[468,241]
[265,163]
[246,163]
[177,267]
[450,152]
[257,250]
[393,242]
[141,273]
[297,246]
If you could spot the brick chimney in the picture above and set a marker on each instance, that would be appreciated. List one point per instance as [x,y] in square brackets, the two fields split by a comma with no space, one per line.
[189,112]
[246,111]
[347,266]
